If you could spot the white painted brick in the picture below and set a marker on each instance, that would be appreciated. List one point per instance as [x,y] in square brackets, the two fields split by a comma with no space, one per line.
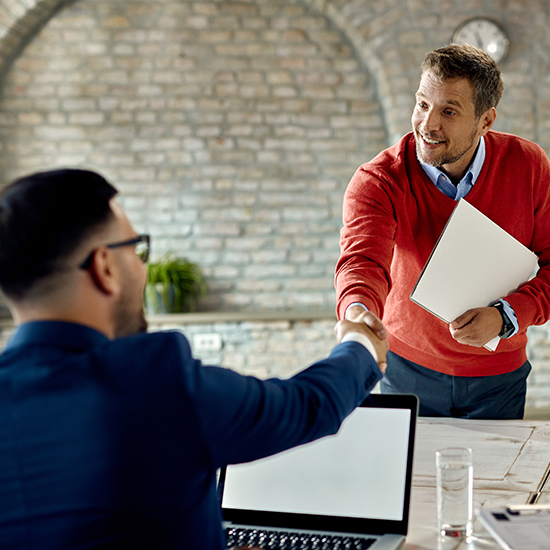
[76,146]
[261,229]
[30,119]
[269,256]
[213,243]
[226,229]
[270,271]
[87,118]
[226,214]
[59,132]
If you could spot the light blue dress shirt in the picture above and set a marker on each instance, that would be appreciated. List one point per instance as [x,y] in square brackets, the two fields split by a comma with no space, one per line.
[443,183]
[465,185]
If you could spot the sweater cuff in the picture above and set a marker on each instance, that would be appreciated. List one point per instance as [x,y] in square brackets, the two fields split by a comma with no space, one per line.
[355,304]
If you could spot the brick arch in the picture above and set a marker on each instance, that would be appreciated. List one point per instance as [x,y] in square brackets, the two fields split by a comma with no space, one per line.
[20,20]
[337,12]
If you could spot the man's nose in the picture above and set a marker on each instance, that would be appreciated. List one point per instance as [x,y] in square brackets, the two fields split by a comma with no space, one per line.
[431,121]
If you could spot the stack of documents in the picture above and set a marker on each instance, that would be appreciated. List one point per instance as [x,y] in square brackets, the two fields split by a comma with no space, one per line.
[473,264]
[518,527]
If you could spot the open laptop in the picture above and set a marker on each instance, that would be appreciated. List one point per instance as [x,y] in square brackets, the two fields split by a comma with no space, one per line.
[350,490]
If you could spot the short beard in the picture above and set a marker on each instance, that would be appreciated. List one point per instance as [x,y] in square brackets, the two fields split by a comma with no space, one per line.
[138,326]
[127,323]
[448,158]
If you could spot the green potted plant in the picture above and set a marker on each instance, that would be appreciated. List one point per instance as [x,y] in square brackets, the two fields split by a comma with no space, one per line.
[174,285]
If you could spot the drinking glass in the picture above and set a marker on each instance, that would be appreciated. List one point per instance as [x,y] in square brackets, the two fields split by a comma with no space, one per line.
[454,482]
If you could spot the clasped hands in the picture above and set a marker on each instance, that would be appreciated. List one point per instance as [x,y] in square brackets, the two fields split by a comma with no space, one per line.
[367,323]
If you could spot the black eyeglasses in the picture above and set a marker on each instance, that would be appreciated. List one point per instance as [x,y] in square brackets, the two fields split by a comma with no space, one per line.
[141,242]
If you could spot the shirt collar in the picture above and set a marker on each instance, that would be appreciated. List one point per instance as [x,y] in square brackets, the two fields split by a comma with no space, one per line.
[56,334]
[473,171]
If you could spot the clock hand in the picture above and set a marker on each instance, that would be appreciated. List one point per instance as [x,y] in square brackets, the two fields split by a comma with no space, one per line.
[479,41]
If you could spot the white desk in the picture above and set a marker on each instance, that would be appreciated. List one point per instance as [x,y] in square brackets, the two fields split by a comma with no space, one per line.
[511,460]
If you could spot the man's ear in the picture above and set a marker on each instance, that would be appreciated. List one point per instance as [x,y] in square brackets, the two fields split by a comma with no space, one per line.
[488,119]
[104,271]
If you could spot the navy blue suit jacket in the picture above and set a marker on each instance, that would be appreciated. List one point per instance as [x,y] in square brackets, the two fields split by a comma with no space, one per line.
[115,444]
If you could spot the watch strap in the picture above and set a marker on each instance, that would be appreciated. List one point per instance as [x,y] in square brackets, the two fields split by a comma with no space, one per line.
[507,325]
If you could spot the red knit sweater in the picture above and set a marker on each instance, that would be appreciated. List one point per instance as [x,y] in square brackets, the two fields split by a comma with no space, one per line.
[393,215]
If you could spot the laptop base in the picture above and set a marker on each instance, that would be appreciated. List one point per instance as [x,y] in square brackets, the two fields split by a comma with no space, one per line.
[273,538]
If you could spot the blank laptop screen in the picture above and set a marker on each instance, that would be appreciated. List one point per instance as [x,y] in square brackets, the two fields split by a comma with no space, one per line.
[358,473]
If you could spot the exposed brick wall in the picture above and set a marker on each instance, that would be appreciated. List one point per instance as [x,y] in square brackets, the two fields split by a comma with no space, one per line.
[19,22]
[231,129]
[390,37]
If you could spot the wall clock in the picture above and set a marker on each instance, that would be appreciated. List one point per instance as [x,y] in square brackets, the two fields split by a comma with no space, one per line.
[485,34]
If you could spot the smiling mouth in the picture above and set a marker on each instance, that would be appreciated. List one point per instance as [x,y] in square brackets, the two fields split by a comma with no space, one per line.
[430,141]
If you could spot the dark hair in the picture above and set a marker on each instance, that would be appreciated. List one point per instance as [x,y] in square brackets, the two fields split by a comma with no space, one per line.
[465,61]
[44,217]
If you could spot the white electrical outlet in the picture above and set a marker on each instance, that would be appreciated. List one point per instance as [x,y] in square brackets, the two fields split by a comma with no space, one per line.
[208,342]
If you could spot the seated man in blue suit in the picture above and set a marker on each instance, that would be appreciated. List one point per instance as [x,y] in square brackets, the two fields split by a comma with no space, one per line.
[111,437]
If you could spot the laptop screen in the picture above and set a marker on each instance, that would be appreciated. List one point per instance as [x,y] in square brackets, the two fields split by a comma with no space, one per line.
[358,478]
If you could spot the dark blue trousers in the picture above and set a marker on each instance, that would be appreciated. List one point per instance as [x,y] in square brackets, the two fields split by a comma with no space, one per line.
[499,396]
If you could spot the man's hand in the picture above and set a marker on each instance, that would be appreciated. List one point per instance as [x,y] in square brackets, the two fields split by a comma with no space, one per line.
[380,344]
[358,314]
[477,326]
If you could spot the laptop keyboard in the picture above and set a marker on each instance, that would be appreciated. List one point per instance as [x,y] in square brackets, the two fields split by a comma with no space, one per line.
[293,541]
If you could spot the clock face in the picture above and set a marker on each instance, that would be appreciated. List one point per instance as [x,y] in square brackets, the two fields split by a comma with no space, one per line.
[484,34]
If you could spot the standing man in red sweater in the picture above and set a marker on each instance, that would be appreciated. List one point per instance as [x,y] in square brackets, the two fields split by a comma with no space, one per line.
[395,208]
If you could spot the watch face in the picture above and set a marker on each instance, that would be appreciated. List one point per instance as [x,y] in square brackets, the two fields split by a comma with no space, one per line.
[484,34]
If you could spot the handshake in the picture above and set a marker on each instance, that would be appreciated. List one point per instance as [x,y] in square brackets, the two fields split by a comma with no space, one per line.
[368,324]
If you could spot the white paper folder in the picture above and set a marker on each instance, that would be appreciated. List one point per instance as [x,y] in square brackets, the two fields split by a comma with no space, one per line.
[473,264]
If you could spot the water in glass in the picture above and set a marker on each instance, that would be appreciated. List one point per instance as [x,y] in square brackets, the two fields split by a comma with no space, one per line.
[454,493]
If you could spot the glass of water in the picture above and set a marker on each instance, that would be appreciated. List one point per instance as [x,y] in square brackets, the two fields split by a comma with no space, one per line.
[454,482]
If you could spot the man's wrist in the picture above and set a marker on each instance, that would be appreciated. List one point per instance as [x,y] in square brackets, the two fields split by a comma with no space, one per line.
[507,326]
[359,307]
